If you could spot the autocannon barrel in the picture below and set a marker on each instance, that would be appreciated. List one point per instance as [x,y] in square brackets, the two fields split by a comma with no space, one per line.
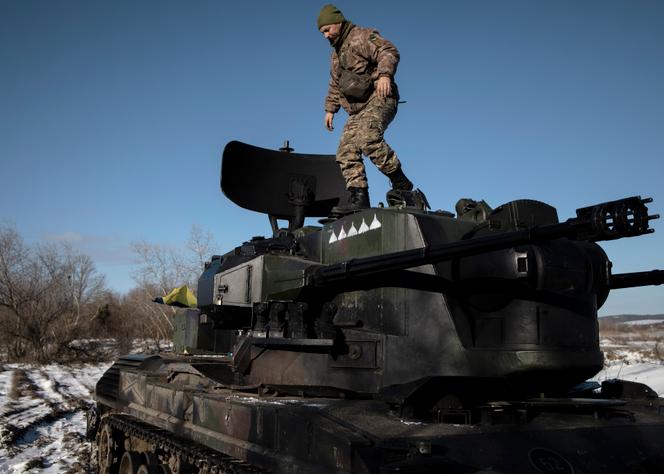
[607,221]
[631,280]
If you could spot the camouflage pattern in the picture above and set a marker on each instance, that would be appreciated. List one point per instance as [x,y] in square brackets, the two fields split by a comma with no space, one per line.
[363,51]
[357,336]
[363,135]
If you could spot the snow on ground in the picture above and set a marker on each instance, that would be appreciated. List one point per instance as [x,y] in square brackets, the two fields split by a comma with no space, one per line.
[42,412]
[42,417]
[648,373]
[634,351]
[42,408]
[644,322]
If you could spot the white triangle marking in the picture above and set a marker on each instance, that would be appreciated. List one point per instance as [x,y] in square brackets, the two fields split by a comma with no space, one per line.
[363,228]
[375,224]
[352,231]
[342,234]
[333,238]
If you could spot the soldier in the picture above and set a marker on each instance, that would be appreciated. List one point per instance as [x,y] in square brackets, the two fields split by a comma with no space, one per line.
[362,82]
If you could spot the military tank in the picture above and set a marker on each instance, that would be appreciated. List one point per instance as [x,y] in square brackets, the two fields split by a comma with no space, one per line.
[393,339]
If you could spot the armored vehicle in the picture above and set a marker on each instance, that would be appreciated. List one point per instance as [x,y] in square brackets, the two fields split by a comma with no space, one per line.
[393,339]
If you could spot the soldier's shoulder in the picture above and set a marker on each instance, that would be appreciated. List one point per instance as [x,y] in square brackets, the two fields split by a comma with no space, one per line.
[361,32]
[365,35]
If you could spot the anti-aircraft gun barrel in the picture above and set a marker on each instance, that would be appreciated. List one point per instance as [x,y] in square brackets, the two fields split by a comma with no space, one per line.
[607,221]
[631,280]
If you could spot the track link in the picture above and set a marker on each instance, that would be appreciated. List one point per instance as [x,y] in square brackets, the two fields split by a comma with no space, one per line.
[169,446]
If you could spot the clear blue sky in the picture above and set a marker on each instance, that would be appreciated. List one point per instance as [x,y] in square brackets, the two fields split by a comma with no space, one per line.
[113,114]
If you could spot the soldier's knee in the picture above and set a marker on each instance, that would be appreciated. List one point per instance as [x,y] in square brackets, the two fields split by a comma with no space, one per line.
[348,156]
[375,148]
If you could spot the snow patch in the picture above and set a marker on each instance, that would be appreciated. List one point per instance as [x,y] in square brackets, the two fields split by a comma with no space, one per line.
[647,373]
[42,417]
[643,322]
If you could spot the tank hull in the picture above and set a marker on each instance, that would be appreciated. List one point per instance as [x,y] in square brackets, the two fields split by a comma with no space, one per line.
[289,434]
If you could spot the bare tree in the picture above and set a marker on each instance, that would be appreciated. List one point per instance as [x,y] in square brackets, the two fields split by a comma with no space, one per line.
[160,269]
[47,294]
[200,246]
[169,267]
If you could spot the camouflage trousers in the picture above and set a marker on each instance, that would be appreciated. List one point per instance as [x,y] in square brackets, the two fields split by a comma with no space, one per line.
[363,135]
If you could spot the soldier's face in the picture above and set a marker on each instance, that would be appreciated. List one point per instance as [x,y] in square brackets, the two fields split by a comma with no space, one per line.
[331,32]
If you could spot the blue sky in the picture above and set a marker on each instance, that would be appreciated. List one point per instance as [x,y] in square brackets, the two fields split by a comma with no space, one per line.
[113,114]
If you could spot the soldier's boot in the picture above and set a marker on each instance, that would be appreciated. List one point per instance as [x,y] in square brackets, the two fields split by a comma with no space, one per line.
[359,199]
[400,181]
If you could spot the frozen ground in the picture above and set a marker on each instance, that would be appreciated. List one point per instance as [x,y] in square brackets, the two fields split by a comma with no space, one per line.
[42,417]
[42,414]
[42,408]
[634,350]
[649,373]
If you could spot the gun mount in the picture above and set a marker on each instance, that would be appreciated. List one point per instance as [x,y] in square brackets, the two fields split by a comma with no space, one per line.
[518,282]
[608,221]
[391,339]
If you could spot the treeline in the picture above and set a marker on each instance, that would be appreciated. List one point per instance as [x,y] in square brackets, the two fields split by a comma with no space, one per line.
[55,305]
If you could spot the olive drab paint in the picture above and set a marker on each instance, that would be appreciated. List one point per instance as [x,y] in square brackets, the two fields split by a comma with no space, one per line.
[390,339]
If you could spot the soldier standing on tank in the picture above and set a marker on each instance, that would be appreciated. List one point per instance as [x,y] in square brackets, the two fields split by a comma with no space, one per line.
[362,82]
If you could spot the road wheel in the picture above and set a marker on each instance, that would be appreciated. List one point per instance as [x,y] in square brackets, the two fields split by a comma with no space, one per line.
[130,463]
[107,451]
[152,469]
[152,465]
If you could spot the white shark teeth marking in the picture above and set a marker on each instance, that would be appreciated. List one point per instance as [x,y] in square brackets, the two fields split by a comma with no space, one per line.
[375,224]
[353,231]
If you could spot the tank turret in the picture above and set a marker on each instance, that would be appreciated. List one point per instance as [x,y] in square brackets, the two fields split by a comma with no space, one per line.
[390,300]
[392,339]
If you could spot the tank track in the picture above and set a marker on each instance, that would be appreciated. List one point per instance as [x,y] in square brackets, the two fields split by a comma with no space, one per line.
[202,458]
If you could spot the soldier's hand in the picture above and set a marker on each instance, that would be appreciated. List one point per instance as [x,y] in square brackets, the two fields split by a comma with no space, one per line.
[329,119]
[384,86]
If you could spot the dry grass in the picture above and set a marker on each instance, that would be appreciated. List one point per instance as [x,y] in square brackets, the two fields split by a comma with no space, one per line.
[629,343]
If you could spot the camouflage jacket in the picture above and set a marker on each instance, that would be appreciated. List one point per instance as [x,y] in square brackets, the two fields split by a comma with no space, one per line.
[363,51]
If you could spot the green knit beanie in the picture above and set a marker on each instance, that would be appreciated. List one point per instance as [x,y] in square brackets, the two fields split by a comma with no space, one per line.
[329,15]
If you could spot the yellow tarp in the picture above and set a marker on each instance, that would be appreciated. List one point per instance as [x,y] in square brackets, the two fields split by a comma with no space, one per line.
[180,296]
